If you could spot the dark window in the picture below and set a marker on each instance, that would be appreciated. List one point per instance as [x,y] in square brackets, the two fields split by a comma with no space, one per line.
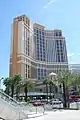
[41,56]
[38,73]
[57,43]
[41,49]
[35,30]
[40,90]
[40,38]
[56,33]
[42,32]
[37,37]
[58,58]
[58,50]
[41,59]
[62,58]
[38,70]
[60,34]
[60,42]
[39,65]
[40,42]
[61,49]
[44,72]
[58,47]
[62,54]
[44,59]
[58,54]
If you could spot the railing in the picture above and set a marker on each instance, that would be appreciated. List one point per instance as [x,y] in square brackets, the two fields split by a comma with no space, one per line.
[28,110]
[9,99]
[13,103]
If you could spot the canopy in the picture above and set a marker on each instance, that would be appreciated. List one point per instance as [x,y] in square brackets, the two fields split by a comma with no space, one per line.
[52,74]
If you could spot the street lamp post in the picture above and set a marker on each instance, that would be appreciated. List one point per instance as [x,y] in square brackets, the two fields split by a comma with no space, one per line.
[0,81]
[50,89]
[52,75]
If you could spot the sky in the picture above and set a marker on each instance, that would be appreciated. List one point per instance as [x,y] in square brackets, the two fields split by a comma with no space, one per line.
[54,14]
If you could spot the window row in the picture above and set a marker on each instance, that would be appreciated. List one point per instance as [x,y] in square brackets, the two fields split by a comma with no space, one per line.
[41,73]
[38,31]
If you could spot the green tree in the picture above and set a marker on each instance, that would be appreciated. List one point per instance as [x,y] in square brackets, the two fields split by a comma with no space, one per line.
[52,84]
[46,82]
[18,90]
[11,84]
[15,84]
[65,78]
[28,99]
[27,85]
[76,82]
[7,84]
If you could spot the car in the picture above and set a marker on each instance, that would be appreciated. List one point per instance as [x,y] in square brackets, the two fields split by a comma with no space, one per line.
[37,104]
[56,101]
[73,98]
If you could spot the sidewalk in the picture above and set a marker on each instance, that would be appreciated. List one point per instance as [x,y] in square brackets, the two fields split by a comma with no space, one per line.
[57,115]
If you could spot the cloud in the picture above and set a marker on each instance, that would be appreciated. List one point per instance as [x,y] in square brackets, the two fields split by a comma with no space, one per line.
[78,54]
[50,2]
[70,54]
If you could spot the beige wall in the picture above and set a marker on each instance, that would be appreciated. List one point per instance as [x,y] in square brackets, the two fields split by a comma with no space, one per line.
[15,67]
[11,46]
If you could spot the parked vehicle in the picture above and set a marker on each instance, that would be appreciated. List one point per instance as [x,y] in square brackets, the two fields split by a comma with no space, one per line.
[56,101]
[73,98]
[37,103]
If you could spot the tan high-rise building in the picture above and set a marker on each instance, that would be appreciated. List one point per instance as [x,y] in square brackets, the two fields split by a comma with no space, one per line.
[35,52]
[21,46]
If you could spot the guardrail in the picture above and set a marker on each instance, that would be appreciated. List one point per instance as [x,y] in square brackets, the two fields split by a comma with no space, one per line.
[9,99]
[13,103]
[30,109]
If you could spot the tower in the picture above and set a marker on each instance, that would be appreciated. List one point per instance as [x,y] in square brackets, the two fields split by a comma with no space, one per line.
[56,53]
[21,46]
[40,50]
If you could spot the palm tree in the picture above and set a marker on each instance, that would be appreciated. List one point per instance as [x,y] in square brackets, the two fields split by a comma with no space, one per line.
[17,78]
[53,85]
[76,82]
[18,90]
[65,78]
[46,82]
[7,84]
[27,85]
[51,82]
[14,83]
